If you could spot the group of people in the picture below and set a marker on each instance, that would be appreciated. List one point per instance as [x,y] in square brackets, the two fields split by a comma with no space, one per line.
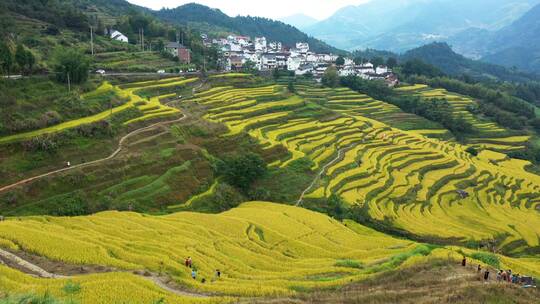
[189,263]
[504,276]
[508,276]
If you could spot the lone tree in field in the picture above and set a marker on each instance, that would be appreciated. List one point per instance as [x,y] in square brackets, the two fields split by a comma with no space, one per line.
[331,77]
[340,61]
[243,170]
[71,65]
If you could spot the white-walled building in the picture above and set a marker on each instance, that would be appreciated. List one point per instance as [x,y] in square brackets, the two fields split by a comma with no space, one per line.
[382,70]
[303,47]
[260,44]
[116,35]
[294,63]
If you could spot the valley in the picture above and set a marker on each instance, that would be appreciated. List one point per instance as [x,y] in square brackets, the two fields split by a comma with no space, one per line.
[185,156]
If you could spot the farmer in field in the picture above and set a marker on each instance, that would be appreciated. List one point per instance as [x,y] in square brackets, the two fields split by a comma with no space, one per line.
[194,274]
[486,275]
[188,262]
[464,262]
[218,274]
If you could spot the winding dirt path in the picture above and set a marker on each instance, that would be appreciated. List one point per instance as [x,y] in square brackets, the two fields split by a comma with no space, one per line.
[113,155]
[318,176]
[36,270]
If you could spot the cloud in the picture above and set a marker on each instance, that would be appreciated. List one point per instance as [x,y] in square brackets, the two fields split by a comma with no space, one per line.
[275,9]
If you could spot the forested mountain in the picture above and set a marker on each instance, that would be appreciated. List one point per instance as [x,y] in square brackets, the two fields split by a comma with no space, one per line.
[213,19]
[404,24]
[518,44]
[442,56]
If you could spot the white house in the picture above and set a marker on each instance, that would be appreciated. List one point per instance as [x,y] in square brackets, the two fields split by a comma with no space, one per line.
[381,70]
[293,63]
[347,71]
[304,69]
[269,61]
[348,61]
[275,46]
[303,47]
[312,57]
[116,35]
[260,44]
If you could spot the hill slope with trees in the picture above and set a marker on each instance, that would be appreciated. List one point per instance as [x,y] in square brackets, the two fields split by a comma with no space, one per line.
[215,20]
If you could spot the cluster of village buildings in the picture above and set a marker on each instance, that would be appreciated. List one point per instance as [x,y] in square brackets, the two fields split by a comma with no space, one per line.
[237,52]
[263,55]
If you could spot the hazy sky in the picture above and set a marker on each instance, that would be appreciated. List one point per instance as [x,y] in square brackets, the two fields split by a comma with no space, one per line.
[318,9]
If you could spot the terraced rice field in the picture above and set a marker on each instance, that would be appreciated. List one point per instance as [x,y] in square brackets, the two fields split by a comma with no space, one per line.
[266,249]
[151,108]
[344,99]
[399,177]
[489,134]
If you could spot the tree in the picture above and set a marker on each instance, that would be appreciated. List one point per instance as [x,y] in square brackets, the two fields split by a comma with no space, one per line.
[243,170]
[290,87]
[6,58]
[391,62]
[358,60]
[25,59]
[340,61]
[72,64]
[377,61]
[249,66]
[331,77]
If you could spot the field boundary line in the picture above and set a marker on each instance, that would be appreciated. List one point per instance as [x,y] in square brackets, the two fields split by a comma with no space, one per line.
[42,273]
[113,155]
[318,176]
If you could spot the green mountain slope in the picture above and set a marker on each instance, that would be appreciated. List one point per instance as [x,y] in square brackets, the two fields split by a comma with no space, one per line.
[214,19]
[442,56]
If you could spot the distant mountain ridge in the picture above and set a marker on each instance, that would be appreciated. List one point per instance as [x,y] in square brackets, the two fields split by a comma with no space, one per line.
[516,45]
[198,14]
[441,55]
[300,21]
[400,25]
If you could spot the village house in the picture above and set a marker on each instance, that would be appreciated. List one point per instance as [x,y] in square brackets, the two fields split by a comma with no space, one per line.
[294,63]
[302,47]
[260,44]
[179,50]
[116,35]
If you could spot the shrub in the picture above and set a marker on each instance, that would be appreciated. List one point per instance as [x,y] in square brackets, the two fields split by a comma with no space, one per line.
[46,143]
[241,171]
[349,264]
[472,151]
[488,258]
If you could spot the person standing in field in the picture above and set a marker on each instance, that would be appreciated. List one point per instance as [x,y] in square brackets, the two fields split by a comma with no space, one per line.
[194,274]
[504,276]
[218,274]
[464,262]
[486,275]
[189,262]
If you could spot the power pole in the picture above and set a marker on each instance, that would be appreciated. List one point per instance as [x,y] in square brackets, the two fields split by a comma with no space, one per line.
[140,38]
[92,39]
[69,82]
